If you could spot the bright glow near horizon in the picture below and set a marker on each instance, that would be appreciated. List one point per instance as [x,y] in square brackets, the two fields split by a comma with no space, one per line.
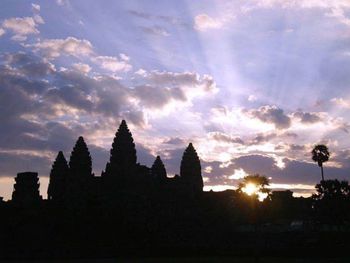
[250,189]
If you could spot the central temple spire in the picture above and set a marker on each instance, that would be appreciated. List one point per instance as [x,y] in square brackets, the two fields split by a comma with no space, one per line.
[122,162]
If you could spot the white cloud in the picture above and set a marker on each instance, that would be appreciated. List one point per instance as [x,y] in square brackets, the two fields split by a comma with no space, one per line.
[35,7]
[38,19]
[2,31]
[124,57]
[71,46]
[303,3]
[21,27]
[334,8]
[141,72]
[19,38]
[112,63]
[53,48]
[219,187]
[84,68]
[204,22]
[238,174]
[252,98]
[341,102]
[63,2]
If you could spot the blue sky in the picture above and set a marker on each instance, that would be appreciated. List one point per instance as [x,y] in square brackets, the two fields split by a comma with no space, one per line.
[253,84]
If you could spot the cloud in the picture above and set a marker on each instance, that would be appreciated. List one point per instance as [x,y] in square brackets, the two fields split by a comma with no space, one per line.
[270,114]
[35,7]
[78,48]
[262,138]
[2,31]
[174,141]
[21,27]
[203,22]
[113,63]
[252,98]
[295,147]
[53,48]
[63,2]
[171,20]
[141,72]
[186,79]
[161,89]
[222,137]
[84,68]
[158,97]
[156,31]
[307,117]
[341,102]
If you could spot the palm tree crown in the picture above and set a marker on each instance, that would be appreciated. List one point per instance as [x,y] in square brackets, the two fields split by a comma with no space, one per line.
[320,154]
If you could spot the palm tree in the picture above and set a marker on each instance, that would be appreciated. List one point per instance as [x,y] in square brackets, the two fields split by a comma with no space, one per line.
[320,154]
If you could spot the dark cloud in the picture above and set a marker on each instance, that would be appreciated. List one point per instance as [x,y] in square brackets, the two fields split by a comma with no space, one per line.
[262,138]
[12,163]
[218,136]
[294,172]
[161,18]
[155,30]
[270,114]
[45,110]
[307,117]
[174,141]
[158,97]
[140,14]
[295,147]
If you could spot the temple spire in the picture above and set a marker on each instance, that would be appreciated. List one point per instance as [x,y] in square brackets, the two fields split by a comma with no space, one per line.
[190,170]
[80,173]
[58,177]
[158,170]
[123,153]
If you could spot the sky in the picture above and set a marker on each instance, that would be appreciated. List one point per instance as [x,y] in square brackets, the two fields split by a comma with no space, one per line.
[253,84]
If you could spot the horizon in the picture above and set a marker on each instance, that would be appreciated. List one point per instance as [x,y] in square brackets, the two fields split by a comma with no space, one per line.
[254,85]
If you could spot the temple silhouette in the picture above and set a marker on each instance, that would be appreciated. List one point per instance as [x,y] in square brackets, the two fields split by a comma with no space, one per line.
[132,210]
[74,183]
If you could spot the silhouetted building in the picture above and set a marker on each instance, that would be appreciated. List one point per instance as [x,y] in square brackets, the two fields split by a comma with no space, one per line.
[79,180]
[58,177]
[75,185]
[26,189]
[158,171]
[190,171]
[121,169]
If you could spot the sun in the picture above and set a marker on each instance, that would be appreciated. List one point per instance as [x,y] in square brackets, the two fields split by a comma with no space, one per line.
[250,189]
[253,189]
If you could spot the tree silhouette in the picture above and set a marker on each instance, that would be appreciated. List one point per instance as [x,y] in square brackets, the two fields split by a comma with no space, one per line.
[80,171]
[332,189]
[320,154]
[158,170]
[123,154]
[332,200]
[252,185]
[190,170]
[58,177]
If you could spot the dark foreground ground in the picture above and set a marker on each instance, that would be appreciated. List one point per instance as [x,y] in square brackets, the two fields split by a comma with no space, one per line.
[169,232]
[197,259]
